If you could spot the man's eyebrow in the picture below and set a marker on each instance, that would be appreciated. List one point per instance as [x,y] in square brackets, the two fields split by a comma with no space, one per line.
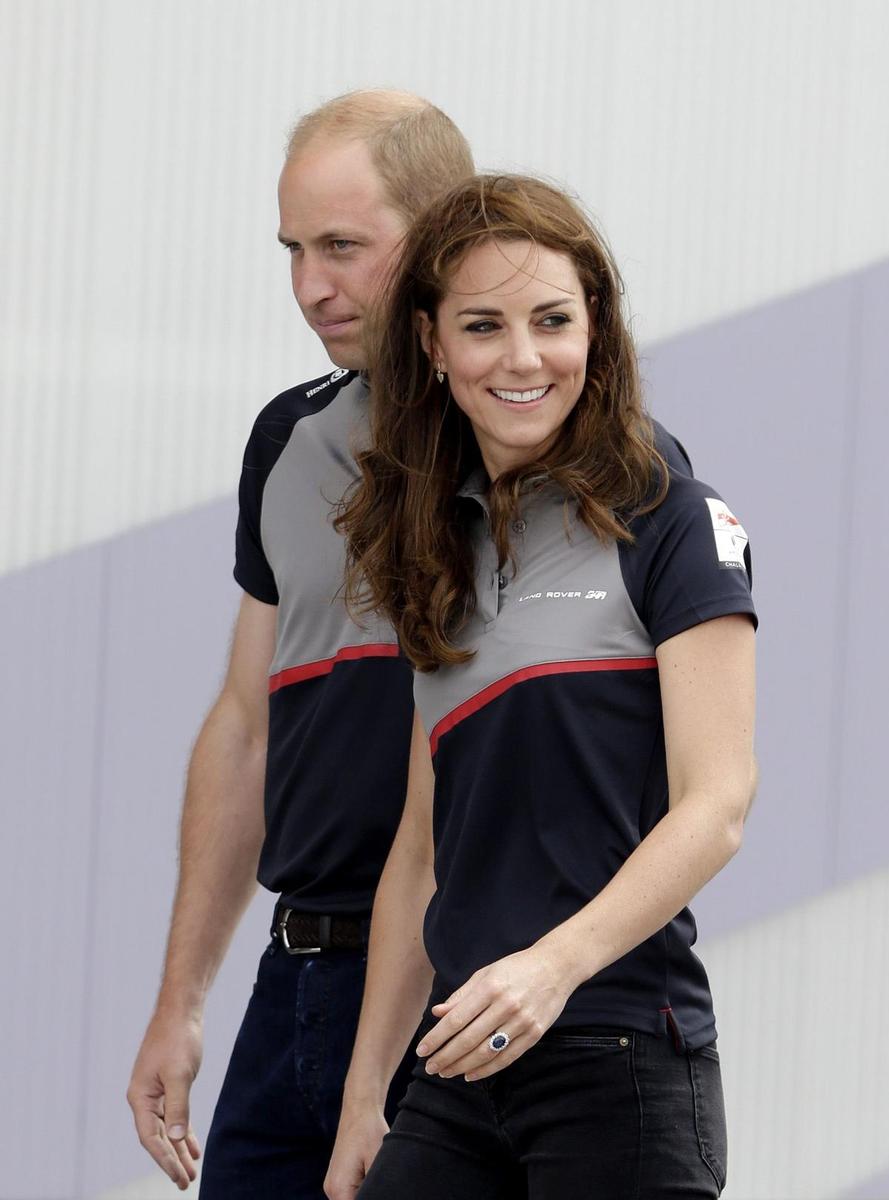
[331,235]
[498,312]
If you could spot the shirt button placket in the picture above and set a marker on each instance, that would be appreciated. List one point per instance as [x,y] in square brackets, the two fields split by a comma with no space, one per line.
[488,583]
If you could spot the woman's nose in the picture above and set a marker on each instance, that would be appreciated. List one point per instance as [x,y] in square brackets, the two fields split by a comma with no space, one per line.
[522,354]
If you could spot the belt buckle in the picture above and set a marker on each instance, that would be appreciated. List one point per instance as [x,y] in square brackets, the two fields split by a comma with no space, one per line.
[282,926]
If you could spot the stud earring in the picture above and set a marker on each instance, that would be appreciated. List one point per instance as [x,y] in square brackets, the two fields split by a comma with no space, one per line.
[439,372]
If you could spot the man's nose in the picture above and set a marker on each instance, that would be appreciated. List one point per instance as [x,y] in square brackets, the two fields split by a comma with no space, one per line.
[312,284]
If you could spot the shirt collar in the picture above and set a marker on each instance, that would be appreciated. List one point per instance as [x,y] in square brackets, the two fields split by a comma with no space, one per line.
[475,486]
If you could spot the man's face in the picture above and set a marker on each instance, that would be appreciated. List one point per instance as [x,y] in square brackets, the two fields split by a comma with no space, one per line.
[343,236]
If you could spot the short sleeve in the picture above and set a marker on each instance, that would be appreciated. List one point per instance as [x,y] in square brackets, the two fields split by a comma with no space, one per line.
[671,449]
[690,561]
[252,569]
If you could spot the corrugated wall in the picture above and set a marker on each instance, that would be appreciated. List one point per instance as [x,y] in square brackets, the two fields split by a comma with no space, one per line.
[737,155]
[733,151]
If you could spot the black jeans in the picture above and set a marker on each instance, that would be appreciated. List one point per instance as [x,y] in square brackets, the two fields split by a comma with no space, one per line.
[592,1113]
[276,1117]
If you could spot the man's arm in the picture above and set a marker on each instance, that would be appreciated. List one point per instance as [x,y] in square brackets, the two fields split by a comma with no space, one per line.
[399,976]
[220,837]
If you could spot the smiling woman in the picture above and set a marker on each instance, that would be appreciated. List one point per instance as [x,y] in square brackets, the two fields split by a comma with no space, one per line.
[516,355]
[505,287]
[581,761]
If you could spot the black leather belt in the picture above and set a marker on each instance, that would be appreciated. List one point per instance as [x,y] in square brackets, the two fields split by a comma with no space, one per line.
[305,933]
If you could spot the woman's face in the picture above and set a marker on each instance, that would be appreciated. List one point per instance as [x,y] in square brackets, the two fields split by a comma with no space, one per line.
[512,332]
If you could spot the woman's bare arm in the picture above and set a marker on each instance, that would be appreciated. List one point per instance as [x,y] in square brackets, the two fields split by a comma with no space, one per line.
[399,977]
[707,690]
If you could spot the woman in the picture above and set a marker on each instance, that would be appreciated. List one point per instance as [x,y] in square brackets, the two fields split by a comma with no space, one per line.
[580,618]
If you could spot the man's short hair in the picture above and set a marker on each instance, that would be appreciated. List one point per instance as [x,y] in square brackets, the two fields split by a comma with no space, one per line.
[417,149]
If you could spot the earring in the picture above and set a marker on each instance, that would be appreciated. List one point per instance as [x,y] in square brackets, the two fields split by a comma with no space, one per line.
[439,372]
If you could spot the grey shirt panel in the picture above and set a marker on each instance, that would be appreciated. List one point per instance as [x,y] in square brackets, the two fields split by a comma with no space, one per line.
[299,504]
[567,601]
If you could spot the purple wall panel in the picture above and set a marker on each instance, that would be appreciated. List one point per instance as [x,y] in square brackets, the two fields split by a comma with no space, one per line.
[874,1189]
[862,810]
[762,402]
[50,701]
[119,649]
[172,603]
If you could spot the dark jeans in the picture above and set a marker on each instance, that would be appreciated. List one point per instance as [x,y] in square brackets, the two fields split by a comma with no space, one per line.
[583,1115]
[276,1117]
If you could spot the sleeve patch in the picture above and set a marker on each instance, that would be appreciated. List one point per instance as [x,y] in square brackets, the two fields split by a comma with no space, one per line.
[729,534]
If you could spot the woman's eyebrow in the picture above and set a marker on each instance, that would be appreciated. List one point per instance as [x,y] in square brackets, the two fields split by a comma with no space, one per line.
[498,312]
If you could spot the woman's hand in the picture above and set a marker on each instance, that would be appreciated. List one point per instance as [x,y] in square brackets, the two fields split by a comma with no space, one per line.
[361,1130]
[520,995]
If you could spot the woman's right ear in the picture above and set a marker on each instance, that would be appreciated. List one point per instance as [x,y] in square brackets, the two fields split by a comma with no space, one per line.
[424,328]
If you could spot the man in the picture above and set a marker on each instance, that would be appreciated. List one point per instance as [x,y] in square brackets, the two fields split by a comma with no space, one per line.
[315,711]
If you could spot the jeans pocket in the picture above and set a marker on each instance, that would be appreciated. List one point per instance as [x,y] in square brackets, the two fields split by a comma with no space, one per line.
[582,1041]
[706,1081]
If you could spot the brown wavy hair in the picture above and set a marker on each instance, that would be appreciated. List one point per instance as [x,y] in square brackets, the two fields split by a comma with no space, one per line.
[409,554]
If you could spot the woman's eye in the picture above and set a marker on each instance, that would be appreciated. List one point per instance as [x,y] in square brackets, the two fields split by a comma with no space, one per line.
[555,320]
[481,327]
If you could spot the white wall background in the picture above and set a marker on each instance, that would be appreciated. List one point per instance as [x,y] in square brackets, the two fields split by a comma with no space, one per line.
[733,151]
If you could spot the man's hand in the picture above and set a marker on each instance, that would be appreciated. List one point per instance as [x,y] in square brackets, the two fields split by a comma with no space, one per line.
[362,1129]
[167,1064]
[221,833]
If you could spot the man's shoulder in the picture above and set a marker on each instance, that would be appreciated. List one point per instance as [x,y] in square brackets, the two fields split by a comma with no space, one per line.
[275,423]
[305,398]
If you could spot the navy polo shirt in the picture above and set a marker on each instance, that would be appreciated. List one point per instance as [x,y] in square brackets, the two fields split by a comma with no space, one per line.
[340,703]
[548,746]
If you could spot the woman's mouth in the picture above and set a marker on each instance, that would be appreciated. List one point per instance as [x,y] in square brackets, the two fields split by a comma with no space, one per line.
[526,396]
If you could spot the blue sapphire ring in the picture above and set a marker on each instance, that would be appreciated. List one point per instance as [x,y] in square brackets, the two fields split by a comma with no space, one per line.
[498,1041]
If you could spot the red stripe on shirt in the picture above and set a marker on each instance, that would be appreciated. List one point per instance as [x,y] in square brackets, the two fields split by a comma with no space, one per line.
[486,695]
[325,665]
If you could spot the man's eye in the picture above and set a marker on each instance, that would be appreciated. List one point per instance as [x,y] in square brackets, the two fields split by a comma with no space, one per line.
[291,247]
[341,244]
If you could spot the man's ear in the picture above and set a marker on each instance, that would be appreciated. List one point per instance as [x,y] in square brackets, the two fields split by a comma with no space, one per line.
[426,331]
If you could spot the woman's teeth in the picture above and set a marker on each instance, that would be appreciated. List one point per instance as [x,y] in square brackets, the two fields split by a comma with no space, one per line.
[521,397]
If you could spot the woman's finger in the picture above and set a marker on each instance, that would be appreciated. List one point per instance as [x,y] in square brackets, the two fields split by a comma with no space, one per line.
[471,1039]
[496,1061]
[458,1018]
